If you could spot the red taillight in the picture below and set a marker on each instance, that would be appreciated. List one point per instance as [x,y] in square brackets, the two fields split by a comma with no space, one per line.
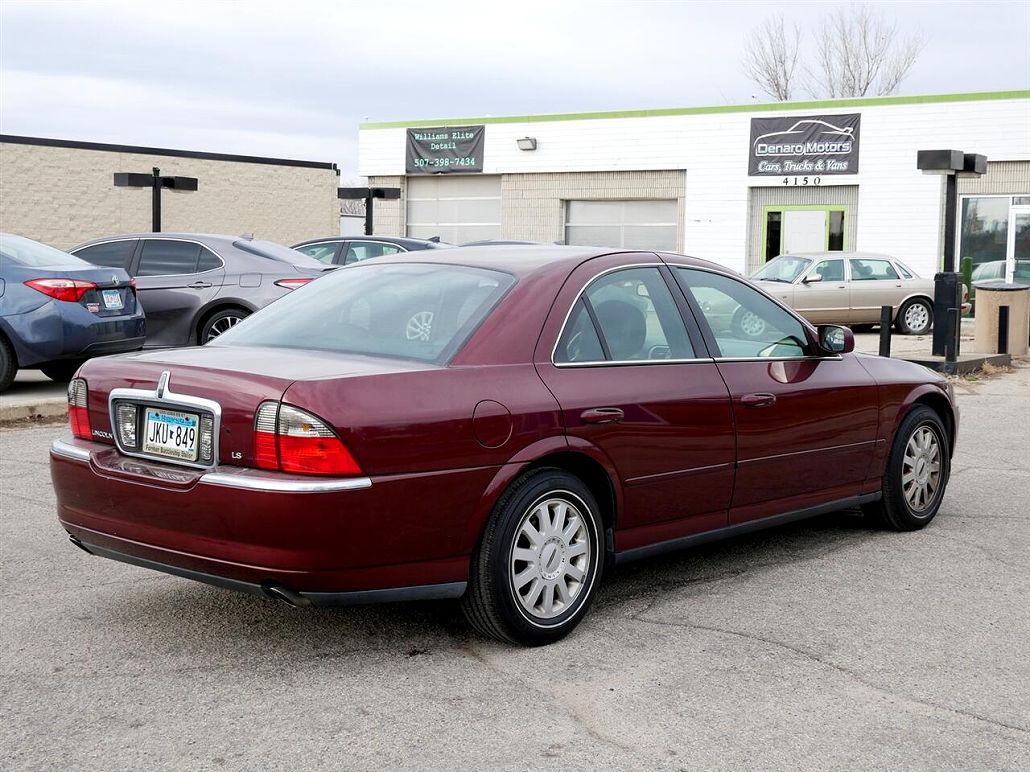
[291,284]
[78,412]
[290,440]
[71,290]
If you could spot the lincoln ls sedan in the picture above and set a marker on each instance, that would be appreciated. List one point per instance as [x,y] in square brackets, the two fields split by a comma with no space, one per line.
[501,425]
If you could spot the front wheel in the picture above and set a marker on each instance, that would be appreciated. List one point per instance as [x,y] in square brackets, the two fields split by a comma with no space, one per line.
[916,475]
[8,364]
[915,317]
[748,324]
[540,560]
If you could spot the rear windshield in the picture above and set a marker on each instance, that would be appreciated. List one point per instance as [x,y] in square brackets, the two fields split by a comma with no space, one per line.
[274,251]
[35,255]
[402,310]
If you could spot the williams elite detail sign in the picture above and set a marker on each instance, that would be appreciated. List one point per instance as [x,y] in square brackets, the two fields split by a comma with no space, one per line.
[445,149]
[811,145]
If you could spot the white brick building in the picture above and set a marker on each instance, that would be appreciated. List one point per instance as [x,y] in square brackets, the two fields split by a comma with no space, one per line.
[680,179]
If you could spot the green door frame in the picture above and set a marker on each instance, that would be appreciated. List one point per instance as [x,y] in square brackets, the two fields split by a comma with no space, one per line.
[783,208]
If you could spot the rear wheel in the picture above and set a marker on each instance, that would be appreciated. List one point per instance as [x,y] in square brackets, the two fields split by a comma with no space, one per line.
[915,317]
[535,572]
[8,364]
[916,475]
[220,322]
[61,370]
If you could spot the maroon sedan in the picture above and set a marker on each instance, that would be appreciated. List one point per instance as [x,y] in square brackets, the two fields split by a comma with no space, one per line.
[499,424]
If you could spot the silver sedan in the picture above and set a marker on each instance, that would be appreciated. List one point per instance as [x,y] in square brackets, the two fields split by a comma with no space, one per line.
[848,288]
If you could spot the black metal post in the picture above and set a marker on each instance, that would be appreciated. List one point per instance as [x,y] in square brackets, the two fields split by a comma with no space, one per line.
[886,315]
[1003,329]
[951,344]
[156,200]
[944,287]
[368,213]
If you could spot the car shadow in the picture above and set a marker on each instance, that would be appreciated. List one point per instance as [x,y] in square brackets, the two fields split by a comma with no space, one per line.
[247,631]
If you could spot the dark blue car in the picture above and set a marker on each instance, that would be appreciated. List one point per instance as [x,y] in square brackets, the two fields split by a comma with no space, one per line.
[57,310]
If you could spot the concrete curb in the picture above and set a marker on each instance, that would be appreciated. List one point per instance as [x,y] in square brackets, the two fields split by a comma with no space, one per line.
[42,408]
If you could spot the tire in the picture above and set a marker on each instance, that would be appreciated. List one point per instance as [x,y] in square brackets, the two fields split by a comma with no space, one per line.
[915,317]
[508,596]
[747,324]
[920,442]
[62,370]
[8,364]
[218,323]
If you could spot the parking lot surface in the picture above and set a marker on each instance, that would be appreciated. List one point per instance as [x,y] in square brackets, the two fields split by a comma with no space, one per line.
[821,645]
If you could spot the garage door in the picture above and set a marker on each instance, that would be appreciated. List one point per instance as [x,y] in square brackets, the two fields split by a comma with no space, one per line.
[625,224]
[457,209]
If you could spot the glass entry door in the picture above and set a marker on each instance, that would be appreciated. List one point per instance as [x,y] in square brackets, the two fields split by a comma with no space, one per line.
[1017,253]
[810,228]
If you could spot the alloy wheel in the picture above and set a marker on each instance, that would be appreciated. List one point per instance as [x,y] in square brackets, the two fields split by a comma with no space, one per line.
[550,561]
[222,325]
[921,469]
[917,317]
[420,326]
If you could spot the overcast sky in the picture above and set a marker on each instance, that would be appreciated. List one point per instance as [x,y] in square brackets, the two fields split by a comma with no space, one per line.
[294,79]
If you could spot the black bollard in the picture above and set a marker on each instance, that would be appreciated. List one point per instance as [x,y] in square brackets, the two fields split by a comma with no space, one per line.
[886,314]
[1003,329]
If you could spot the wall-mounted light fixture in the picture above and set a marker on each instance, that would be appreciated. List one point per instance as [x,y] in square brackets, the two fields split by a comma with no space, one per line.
[526,143]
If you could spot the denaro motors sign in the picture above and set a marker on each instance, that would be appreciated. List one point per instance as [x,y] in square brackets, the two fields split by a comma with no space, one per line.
[444,149]
[811,145]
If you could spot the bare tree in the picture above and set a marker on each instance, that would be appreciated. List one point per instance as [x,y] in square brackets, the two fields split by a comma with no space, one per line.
[858,53]
[352,205]
[771,54]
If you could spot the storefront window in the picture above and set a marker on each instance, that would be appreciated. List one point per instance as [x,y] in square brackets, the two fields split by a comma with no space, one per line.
[985,227]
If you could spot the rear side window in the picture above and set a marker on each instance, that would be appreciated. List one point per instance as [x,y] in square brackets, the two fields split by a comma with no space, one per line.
[208,260]
[363,250]
[871,270]
[633,318]
[324,252]
[112,254]
[164,257]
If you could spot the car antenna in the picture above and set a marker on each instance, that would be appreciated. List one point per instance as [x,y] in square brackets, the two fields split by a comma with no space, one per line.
[247,236]
[434,239]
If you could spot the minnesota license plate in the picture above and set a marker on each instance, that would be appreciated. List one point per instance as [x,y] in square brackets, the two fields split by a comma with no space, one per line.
[170,433]
[112,300]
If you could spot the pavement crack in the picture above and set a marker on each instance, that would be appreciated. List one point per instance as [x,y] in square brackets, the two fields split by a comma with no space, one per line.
[1023,731]
[470,649]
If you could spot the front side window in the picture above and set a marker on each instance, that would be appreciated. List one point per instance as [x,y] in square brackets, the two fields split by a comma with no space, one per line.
[363,250]
[111,254]
[324,252]
[407,311]
[625,316]
[745,323]
[829,270]
[165,257]
[864,269]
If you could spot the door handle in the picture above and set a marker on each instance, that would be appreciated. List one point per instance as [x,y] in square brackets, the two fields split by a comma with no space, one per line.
[602,415]
[758,400]
[199,285]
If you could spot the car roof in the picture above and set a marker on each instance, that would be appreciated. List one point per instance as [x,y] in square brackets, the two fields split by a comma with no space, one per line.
[214,238]
[523,259]
[399,240]
[838,253]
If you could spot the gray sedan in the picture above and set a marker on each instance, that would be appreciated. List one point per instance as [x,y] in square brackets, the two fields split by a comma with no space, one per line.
[848,288]
[194,286]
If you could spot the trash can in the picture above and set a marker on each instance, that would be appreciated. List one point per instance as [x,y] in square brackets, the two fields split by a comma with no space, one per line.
[990,295]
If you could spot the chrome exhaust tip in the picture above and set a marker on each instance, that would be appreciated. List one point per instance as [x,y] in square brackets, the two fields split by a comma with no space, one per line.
[285,595]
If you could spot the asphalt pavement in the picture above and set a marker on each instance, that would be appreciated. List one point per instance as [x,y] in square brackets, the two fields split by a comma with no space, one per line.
[821,645]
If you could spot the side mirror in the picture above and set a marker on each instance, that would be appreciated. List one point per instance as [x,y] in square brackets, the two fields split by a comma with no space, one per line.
[834,339]
[812,278]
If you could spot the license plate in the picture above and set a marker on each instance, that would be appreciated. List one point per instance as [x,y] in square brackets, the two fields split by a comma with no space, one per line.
[171,434]
[112,300]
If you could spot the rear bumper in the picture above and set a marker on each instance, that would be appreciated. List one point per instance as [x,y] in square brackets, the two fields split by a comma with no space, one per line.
[59,330]
[331,541]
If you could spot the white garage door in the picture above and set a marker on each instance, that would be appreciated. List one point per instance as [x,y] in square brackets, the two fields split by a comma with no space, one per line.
[625,224]
[457,209]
